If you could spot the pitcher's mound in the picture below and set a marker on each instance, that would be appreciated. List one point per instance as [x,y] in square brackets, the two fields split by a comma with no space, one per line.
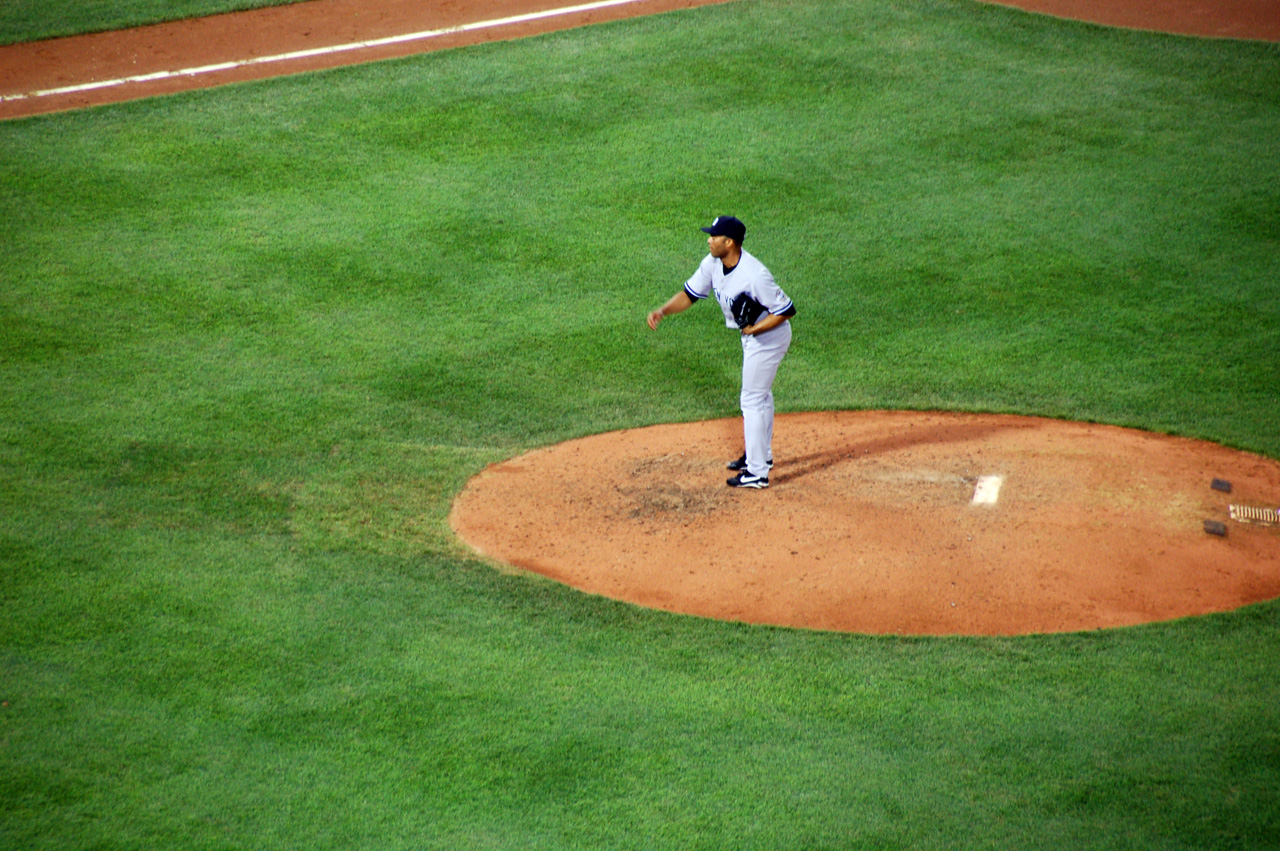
[890,522]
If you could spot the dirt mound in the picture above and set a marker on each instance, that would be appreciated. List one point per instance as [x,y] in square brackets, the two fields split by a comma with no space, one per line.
[890,522]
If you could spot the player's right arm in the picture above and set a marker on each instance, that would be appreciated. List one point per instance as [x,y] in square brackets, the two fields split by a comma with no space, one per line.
[676,304]
[695,289]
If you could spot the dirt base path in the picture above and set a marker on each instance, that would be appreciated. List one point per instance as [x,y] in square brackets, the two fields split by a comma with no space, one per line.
[890,522]
[338,30]
[1257,20]
[52,75]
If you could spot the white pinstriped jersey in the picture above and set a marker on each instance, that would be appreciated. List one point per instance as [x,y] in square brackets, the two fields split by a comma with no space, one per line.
[749,276]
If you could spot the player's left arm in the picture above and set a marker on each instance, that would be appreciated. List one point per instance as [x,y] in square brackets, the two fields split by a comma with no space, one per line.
[779,308]
[768,321]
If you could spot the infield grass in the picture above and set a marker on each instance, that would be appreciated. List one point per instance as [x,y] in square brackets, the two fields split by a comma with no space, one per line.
[253,340]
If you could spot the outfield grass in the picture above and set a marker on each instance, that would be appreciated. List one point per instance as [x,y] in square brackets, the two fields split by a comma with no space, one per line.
[32,20]
[254,339]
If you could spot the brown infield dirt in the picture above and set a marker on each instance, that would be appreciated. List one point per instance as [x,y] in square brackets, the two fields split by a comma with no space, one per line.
[869,524]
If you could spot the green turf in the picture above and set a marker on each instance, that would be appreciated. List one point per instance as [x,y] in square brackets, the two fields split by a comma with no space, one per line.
[254,339]
[31,20]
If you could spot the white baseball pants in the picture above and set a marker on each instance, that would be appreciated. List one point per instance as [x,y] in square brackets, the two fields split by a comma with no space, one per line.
[761,356]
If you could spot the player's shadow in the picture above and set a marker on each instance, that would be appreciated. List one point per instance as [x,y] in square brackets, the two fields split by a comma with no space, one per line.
[806,465]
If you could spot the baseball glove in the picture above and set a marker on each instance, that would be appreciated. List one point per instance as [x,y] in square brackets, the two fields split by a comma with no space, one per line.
[746,310]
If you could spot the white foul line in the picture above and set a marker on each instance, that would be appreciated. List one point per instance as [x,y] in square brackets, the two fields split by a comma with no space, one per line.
[987,490]
[323,51]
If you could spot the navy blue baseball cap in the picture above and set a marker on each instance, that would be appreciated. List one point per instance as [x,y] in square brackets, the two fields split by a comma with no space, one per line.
[727,226]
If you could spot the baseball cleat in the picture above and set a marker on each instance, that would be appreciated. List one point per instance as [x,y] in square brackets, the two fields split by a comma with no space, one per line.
[746,480]
[741,464]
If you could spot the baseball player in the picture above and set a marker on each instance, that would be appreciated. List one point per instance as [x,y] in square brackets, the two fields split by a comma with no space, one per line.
[753,303]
